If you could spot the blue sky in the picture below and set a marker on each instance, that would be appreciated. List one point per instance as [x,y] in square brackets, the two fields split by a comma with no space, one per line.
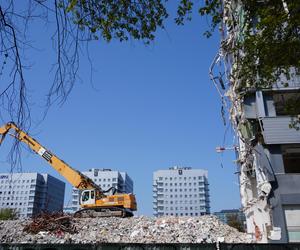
[149,108]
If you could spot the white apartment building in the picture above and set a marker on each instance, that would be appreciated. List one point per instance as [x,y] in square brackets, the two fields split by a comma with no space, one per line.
[31,193]
[105,178]
[180,191]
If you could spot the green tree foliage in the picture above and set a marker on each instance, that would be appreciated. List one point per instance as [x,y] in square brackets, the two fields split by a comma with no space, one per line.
[267,41]
[118,19]
[8,214]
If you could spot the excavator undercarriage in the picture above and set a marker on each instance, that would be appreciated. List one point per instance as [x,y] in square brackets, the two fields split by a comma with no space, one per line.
[103,212]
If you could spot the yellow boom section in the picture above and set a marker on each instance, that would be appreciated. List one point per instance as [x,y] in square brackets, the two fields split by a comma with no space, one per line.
[73,176]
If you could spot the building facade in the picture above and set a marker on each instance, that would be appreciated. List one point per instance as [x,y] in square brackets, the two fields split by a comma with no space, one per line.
[266,120]
[31,193]
[105,178]
[180,191]
[275,160]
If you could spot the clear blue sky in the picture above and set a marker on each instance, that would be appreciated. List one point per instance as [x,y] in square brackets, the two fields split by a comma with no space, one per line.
[149,108]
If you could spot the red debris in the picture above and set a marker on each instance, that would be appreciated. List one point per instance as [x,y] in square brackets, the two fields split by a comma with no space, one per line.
[56,223]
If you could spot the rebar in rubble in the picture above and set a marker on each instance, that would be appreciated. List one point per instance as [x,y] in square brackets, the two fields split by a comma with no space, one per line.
[51,222]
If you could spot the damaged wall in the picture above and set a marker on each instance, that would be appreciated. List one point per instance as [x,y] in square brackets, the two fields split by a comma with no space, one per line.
[269,180]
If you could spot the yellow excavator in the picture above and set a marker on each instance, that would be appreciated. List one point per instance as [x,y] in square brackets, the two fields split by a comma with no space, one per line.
[93,200]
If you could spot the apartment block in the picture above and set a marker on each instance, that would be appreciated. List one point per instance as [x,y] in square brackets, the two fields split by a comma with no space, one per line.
[265,114]
[180,191]
[105,178]
[276,159]
[31,193]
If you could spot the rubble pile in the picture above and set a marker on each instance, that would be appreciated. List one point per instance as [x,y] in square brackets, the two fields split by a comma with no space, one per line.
[204,229]
[56,223]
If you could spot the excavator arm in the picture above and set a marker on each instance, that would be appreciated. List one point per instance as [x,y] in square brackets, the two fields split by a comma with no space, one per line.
[74,177]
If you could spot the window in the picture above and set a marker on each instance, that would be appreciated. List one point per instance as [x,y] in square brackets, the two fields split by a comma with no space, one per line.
[114,179]
[292,217]
[287,103]
[85,196]
[291,158]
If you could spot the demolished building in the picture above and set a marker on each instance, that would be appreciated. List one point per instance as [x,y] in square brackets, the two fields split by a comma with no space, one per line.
[267,143]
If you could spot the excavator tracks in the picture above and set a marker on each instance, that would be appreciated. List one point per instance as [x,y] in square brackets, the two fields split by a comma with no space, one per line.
[103,212]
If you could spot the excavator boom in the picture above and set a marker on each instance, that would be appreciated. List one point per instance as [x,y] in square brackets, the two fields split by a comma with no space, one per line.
[93,200]
[73,176]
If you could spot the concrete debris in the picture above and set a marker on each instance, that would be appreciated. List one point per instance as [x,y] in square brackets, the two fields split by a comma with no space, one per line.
[204,229]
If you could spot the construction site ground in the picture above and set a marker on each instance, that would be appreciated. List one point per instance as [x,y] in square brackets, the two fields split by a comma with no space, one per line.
[65,229]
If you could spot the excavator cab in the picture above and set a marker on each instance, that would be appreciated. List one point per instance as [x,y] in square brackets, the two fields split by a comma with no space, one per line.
[87,197]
